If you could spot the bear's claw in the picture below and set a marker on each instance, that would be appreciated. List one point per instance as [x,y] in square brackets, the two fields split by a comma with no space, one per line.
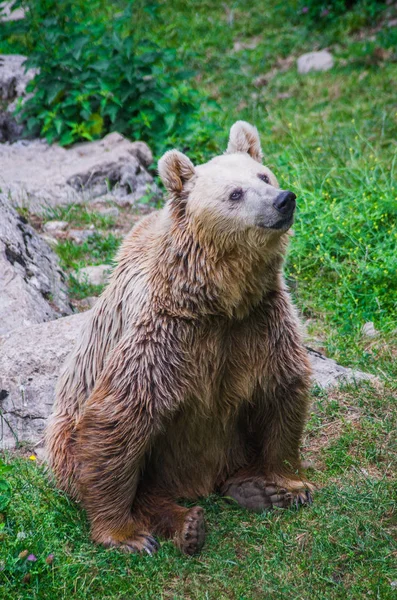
[192,535]
[141,543]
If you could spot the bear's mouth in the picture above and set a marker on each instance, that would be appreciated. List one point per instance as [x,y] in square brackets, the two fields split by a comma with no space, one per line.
[282,224]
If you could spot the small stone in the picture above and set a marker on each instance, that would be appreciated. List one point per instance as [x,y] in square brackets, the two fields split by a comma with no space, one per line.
[51,241]
[94,275]
[55,226]
[88,302]
[109,211]
[368,329]
[79,236]
[315,61]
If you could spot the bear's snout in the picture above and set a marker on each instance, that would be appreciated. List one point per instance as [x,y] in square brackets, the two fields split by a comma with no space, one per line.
[285,202]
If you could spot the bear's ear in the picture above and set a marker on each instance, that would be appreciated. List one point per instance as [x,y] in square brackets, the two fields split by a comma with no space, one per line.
[245,138]
[175,169]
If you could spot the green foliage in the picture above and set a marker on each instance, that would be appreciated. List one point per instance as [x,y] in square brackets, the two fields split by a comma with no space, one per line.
[350,211]
[323,12]
[5,487]
[96,77]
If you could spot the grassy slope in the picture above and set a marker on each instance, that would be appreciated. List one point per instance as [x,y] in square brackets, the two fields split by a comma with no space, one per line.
[331,141]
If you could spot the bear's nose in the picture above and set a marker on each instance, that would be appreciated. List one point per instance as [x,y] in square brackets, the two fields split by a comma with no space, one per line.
[285,202]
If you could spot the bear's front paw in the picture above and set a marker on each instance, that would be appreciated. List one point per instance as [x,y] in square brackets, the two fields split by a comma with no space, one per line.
[139,543]
[259,494]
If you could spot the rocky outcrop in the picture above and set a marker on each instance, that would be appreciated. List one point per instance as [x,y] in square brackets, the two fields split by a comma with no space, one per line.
[32,288]
[13,76]
[30,361]
[37,175]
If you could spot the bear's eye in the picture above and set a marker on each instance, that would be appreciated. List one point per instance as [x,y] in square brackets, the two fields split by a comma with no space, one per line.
[264,177]
[236,194]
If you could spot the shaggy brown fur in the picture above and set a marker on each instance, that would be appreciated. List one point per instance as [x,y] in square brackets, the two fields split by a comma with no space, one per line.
[190,376]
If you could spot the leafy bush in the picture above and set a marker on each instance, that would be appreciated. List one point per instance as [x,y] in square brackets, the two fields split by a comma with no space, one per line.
[96,76]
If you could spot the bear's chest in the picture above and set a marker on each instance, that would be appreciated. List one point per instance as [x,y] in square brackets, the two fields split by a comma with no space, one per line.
[228,360]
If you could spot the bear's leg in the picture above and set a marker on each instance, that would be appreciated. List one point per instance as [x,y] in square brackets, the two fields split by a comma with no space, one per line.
[164,517]
[142,385]
[273,427]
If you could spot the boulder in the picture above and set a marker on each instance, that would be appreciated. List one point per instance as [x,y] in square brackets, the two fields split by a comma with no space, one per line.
[315,61]
[33,287]
[37,175]
[30,361]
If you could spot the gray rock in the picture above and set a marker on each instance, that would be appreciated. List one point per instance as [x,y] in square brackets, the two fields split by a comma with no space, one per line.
[55,226]
[30,361]
[13,77]
[33,286]
[37,175]
[327,372]
[315,61]
[95,275]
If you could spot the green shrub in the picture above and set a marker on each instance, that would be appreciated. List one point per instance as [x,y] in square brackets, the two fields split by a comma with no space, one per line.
[96,76]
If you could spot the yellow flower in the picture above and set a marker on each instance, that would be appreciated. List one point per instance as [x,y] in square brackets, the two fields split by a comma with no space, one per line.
[32,457]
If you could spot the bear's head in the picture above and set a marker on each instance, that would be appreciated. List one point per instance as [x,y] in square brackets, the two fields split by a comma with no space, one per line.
[232,193]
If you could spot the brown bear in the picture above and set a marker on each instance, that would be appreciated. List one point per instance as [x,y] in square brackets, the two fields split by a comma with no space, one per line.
[190,376]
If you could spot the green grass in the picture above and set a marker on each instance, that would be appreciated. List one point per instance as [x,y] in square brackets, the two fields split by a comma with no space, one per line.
[98,249]
[330,137]
[78,215]
[344,546]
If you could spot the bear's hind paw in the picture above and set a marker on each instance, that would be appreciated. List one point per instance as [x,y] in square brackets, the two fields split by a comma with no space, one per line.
[190,539]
